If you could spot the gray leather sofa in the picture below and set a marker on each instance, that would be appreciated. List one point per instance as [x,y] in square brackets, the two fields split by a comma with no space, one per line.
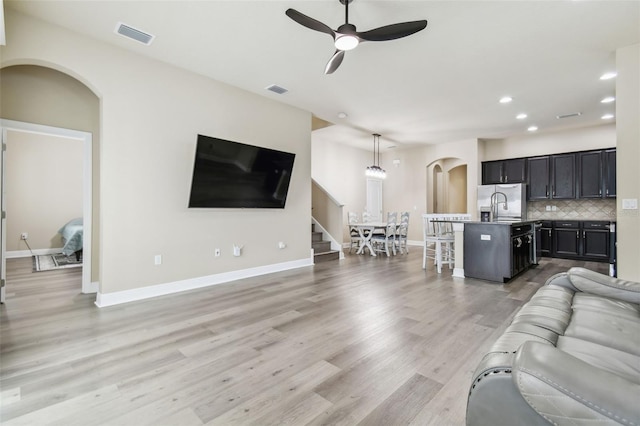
[571,356]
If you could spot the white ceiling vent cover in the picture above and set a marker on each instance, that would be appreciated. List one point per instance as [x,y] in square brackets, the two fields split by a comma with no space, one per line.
[573,114]
[133,33]
[277,89]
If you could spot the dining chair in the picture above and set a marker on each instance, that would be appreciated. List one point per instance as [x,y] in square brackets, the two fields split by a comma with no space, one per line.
[354,234]
[402,232]
[439,238]
[366,217]
[386,242]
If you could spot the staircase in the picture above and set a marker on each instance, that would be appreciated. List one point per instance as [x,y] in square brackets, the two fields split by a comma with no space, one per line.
[322,249]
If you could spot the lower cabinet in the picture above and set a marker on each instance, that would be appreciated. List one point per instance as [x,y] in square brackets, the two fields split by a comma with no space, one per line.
[546,238]
[595,240]
[581,240]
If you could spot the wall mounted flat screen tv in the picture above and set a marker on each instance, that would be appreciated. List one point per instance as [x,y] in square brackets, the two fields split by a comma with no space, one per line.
[230,174]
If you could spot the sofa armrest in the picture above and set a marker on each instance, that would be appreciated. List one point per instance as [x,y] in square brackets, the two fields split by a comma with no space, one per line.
[604,285]
[566,390]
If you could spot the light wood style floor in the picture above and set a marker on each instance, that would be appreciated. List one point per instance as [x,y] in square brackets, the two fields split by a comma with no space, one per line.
[370,341]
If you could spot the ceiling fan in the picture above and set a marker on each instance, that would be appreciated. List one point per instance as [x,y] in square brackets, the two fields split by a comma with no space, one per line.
[346,37]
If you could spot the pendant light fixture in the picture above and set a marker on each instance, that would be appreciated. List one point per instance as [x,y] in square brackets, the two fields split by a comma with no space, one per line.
[376,171]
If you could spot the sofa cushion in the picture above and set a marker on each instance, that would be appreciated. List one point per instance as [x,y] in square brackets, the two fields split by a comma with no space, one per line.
[551,318]
[606,329]
[624,364]
[596,303]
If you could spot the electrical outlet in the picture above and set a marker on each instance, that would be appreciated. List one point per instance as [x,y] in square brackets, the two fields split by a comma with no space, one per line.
[217,252]
[24,236]
[157,260]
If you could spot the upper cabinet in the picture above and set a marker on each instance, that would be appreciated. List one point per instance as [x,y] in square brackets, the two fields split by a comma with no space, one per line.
[590,168]
[609,173]
[563,176]
[538,178]
[552,177]
[587,174]
[597,174]
[504,171]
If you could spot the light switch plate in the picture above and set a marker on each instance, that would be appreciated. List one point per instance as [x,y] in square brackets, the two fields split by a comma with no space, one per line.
[630,204]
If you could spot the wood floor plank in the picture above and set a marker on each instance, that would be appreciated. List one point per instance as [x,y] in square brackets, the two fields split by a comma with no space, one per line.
[373,341]
[405,403]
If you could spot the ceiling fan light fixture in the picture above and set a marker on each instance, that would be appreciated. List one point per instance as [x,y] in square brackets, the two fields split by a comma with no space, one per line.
[346,42]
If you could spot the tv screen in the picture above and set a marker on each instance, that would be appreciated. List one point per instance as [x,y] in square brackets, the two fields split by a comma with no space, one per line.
[235,175]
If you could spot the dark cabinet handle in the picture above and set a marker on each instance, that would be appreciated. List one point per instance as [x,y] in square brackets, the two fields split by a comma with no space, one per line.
[577,235]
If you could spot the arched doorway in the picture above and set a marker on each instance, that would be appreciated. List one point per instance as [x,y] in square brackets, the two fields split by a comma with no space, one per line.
[447,186]
[39,100]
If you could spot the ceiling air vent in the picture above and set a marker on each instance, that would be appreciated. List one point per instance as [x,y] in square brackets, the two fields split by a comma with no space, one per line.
[277,89]
[573,114]
[134,34]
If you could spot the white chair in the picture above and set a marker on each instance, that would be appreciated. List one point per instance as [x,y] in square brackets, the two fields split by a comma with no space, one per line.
[439,239]
[401,235]
[386,242]
[366,217]
[355,238]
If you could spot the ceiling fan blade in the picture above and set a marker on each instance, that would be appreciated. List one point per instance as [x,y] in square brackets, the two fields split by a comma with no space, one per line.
[394,31]
[308,22]
[334,62]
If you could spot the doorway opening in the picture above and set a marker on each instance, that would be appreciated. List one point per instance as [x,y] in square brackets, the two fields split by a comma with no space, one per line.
[19,132]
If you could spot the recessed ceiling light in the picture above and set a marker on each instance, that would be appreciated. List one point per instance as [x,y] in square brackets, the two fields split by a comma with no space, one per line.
[607,117]
[608,100]
[532,128]
[521,116]
[608,75]
[505,99]
[342,115]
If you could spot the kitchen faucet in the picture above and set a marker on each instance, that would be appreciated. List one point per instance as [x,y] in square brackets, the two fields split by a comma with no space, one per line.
[495,203]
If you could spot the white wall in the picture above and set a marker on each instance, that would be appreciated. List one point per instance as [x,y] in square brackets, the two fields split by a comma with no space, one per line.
[43,188]
[628,159]
[406,187]
[340,170]
[542,143]
[150,115]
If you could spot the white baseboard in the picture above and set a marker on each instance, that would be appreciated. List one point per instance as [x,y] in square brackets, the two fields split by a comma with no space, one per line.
[26,253]
[458,272]
[119,297]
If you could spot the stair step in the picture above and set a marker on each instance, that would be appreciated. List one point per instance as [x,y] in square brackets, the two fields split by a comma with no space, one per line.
[326,256]
[321,246]
[316,236]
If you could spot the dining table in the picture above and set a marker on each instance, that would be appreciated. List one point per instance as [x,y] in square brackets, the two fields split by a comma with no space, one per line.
[366,230]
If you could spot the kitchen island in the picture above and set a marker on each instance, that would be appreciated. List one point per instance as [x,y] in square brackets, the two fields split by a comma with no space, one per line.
[498,251]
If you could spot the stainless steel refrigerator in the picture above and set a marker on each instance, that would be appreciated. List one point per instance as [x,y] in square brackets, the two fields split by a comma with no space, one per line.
[502,203]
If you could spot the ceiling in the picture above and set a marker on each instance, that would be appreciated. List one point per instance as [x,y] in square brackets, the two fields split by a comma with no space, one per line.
[439,85]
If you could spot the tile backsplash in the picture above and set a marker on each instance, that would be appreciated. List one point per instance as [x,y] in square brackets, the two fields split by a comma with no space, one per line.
[573,209]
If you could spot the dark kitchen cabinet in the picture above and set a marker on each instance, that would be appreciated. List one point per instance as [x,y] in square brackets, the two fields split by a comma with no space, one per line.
[595,240]
[586,240]
[566,239]
[504,171]
[538,178]
[590,170]
[563,176]
[552,177]
[609,173]
[546,238]
[597,174]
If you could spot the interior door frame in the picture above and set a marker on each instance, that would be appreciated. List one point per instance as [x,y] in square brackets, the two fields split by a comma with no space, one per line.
[87,188]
